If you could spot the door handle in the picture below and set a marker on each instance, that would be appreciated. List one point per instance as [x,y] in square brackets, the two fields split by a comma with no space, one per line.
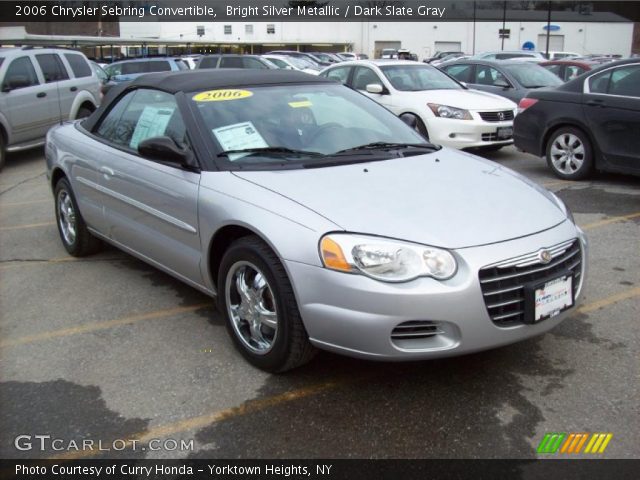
[41,94]
[595,103]
[107,172]
[73,89]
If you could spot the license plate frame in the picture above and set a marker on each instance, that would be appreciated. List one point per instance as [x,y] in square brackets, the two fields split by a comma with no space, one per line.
[538,308]
[504,133]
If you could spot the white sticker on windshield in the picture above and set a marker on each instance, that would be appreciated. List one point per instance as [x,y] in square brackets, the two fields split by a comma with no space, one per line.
[239,136]
[153,122]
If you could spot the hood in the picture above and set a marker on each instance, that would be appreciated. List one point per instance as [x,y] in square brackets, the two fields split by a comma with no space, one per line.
[468,99]
[446,199]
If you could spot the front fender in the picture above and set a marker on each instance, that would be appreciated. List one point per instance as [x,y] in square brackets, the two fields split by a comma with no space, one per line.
[82,97]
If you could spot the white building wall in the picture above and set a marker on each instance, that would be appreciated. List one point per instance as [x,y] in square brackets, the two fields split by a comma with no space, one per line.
[419,37]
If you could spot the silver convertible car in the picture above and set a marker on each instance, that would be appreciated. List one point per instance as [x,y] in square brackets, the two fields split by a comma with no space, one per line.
[316,217]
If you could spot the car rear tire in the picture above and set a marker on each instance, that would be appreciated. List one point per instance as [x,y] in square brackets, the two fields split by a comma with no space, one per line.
[261,312]
[83,112]
[75,236]
[569,154]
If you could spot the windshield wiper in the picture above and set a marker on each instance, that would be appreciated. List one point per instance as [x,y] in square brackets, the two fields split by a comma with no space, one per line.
[387,146]
[290,151]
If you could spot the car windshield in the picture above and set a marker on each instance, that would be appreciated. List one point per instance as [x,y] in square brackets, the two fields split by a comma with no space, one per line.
[301,62]
[533,76]
[273,125]
[413,78]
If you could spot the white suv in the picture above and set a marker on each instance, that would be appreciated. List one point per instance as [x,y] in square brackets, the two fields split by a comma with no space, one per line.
[39,88]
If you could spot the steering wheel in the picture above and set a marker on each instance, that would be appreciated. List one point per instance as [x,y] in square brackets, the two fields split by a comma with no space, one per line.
[321,130]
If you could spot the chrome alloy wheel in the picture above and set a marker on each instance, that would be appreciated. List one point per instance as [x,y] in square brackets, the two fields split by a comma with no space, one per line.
[567,153]
[66,217]
[251,307]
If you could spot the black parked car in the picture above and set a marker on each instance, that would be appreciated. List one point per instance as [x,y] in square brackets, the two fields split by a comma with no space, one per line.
[512,79]
[590,122]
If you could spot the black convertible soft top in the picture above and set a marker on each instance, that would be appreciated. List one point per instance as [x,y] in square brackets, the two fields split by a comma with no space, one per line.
[202,80]
[196,80]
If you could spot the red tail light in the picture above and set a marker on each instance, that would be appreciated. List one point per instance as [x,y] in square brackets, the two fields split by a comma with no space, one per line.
[526,103]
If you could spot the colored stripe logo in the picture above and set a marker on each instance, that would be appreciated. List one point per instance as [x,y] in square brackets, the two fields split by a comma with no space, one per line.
[573,443]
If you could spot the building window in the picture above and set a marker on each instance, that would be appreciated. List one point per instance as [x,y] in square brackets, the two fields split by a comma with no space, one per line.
[248,29]
[227,30]
[271,28]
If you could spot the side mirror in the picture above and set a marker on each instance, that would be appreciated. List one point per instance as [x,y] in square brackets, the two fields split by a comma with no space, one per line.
[464,84]
[375,88]
[501,83]
[164,150]
[409,120]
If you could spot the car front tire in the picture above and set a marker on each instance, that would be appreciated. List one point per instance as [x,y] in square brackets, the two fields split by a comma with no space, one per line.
[75,236]
[569,154]
[261,312]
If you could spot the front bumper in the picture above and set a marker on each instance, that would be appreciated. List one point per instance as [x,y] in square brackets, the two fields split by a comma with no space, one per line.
[466,133]
[355,315]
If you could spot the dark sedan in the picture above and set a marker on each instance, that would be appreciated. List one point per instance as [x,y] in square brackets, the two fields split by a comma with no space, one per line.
[592,122]
[569,69]
[512,79]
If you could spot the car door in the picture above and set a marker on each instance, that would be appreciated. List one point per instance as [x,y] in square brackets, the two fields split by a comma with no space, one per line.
[150,207]
[55,75]
[611,104]
[363,76]
[31,107]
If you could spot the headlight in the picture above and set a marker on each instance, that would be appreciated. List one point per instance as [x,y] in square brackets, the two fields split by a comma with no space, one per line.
[445,111]
[386,260]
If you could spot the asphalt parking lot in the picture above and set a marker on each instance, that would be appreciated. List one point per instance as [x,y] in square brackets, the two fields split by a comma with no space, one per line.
[108,348]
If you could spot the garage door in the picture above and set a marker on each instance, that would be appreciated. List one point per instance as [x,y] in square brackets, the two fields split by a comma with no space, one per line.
[556,43]
[379,46]
[448,47]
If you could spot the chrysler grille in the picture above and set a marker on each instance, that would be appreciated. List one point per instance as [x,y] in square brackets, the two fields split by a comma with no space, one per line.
[503,283]
[496,116]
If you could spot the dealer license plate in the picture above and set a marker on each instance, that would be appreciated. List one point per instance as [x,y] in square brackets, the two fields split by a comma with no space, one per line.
[504,133]
[553,297]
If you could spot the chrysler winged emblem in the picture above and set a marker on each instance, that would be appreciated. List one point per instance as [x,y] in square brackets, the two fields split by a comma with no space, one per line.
[544,256]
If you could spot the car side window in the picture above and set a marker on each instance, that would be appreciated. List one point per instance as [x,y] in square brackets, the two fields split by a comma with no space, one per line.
[363,77]
[462,73]
[158,66]
[279,63]
[52,67]
[600,83]
[625,81]
[489,76]
[20,74]
[253,63]
[555,69]
[340,74]
[143,114]
[208,62]
[78,64]
[231,62]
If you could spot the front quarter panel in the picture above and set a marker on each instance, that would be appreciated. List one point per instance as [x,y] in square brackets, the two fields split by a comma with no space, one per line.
[290,229]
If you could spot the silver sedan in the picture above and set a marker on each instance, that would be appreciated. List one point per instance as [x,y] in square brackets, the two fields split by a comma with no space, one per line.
[316,217]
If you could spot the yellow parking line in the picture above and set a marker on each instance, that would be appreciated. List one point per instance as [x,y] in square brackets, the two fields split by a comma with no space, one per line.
[192,423]
[29,225]
[19,204]
[92,327]
[605,302]
[19,263]
[607,221]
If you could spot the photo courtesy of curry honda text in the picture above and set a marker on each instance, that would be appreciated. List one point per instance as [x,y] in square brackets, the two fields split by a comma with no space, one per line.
[316,217]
